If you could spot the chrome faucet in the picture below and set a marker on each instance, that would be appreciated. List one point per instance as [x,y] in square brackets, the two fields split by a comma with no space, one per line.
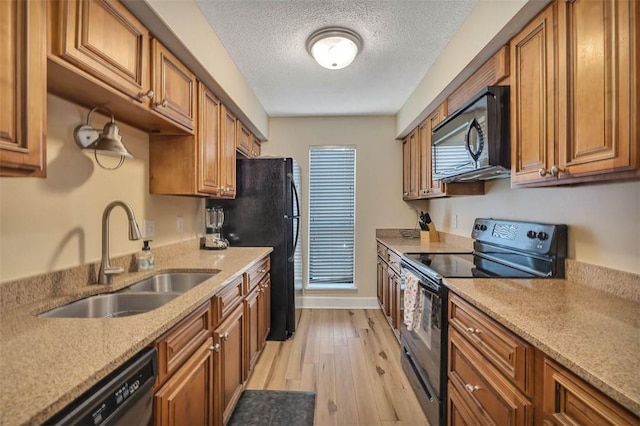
[107,271]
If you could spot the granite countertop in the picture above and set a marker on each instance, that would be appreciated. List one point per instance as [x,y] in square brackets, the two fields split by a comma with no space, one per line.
[45,363]
[594,334]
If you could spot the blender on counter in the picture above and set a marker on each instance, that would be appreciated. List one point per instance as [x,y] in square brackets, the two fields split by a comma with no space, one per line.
[213,239]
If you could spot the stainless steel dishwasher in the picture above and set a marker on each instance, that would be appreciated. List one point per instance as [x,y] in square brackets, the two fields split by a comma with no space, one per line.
[124,397]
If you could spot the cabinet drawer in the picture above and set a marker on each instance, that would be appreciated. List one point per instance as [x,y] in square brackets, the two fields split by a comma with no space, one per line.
[568,400]
[256,273]
[176,346]
[511,355]
[224,302]
[383,252]
[488,395]
[394,261]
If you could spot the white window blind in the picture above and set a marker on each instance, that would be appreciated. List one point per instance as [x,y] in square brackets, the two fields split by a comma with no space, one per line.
[331,216]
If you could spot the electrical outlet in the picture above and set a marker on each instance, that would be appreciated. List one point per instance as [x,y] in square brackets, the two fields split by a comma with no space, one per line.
[180,224]
[454,221]
[149,228]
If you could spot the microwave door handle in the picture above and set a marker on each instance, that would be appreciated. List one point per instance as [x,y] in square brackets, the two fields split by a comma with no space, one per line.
[474,125]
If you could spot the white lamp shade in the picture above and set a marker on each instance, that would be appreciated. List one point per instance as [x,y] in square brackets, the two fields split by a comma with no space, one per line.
[334,48]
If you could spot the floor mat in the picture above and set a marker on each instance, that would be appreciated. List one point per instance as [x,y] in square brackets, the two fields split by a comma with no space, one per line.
[267,407]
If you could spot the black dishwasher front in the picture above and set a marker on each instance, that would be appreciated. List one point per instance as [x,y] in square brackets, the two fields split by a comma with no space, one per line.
[124,397]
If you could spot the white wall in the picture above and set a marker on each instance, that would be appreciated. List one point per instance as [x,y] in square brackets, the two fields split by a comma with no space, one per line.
[603,219]
[378,178]
[54,223]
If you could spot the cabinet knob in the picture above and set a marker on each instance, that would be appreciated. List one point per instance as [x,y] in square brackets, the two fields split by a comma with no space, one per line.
[262,271]
[473,330]
[215,348]
[225,336]
[553,171]
[471,388]
[163,104]
[148,94]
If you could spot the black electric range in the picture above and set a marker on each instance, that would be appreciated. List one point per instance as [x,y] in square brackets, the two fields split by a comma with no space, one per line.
[501,248]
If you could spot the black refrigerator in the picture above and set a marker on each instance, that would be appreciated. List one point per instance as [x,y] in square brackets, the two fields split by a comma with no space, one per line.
[266,213]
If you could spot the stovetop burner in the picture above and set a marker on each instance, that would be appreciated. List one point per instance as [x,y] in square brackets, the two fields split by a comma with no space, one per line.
[504,249]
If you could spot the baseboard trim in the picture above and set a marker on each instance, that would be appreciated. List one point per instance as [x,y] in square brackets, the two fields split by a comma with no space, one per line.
[325,302]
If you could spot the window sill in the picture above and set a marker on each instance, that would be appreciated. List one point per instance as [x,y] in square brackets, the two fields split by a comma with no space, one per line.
[331,287]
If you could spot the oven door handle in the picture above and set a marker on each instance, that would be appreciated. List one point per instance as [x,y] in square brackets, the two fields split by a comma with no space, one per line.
[425,383]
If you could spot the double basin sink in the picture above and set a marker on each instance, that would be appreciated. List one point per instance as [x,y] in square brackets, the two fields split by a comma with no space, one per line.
[140,297]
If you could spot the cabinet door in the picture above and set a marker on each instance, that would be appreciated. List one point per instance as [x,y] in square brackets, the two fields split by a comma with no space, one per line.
[381,277]
[186,398]
[264,304]
[255,147]
[424,142]
[23,85]
[411,161]
[229,364]
[533,99]
[436,188]
[174,87]
[209,141]
[598,77]
[227,153]
[104,39]
[385,289]
[406,167]
[567,400]
[252,329]
[396,296]
[244,139]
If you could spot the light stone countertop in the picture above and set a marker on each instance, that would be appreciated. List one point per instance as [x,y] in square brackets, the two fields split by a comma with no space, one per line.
[593,333]
[45,363]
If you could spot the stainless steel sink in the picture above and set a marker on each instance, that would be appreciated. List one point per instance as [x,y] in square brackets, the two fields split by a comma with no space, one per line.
[178,282]
[111,305]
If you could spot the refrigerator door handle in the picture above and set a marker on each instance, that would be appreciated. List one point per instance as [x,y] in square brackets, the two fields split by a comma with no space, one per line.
[296,217]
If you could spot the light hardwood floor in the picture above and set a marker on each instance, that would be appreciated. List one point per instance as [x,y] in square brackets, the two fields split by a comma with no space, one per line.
[351,359]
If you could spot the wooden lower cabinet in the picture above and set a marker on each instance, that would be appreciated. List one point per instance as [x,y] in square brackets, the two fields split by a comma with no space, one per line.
[187,398]
[389,288]
[252,332]
[264,309]
[497,378]
[568,400]
[490,397]
[229,364]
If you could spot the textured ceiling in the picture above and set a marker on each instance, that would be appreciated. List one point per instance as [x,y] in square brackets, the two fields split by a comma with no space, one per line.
[401,39]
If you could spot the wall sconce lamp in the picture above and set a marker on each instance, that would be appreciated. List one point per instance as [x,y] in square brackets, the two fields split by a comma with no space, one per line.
[109,142]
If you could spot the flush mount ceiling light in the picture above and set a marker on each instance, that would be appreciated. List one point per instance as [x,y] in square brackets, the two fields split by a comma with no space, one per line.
[109,142]
[334,48]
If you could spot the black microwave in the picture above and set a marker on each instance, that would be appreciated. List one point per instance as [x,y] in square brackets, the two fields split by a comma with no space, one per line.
[474,142]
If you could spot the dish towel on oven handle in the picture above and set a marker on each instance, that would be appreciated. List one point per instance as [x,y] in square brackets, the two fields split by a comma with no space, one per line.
[412,308]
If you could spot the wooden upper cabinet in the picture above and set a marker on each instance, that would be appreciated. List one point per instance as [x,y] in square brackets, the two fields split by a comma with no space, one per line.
[574,96]
[533,98]
[23,103]
[208,135]
[255,147]
[598,86]
[244,141]
[104,39]
[174,87]
[435,187]
[411,165]
[227,153]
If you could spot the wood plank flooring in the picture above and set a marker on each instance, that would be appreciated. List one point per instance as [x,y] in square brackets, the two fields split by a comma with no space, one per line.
[351,359]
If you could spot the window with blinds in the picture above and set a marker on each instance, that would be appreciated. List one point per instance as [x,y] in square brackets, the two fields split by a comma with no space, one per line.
[332,182]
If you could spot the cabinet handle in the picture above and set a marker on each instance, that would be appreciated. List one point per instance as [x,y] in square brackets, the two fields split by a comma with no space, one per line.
[215,348]
[473,330]
[471,388]
[148,94]
[262,271]
[225,336]
[554,171]
[163,104]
